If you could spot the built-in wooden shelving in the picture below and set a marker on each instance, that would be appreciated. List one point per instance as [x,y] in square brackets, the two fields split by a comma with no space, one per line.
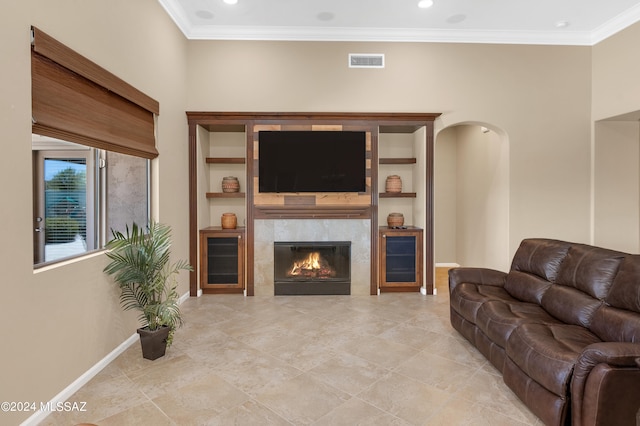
[397,161]
[397,195]
[226,195]
[244,124]
[225,160]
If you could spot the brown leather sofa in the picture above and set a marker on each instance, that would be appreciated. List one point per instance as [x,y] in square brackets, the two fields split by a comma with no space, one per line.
[563,327]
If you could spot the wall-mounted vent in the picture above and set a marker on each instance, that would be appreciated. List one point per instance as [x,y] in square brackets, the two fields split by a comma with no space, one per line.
[366,60]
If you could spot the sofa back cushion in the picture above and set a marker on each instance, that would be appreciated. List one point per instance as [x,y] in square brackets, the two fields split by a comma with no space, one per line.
[526,286]
[616,325]
[583,281]
[590,269]
[619,320]
[625,290]
[535,265]
[569,305]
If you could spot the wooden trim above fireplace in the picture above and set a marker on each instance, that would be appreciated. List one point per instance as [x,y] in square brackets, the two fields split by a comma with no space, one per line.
[312,212]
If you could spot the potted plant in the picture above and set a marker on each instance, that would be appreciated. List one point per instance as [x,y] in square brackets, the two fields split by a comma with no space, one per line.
[141,267]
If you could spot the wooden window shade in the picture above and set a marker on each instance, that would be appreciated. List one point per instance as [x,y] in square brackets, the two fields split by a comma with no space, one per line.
[76,100]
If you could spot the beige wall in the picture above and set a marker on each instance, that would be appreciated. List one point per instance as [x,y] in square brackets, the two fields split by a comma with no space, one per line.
[446,196]
[616,67]
[539,96]
[616,215]
[472,197]
[616,142]
[60,322]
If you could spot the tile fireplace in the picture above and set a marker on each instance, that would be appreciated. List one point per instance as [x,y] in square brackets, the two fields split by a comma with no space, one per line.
[312,267]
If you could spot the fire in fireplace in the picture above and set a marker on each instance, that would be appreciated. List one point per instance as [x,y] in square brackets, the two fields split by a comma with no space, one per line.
[313,268]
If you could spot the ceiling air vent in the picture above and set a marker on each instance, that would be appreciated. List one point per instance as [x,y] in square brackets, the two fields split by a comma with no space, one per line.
[366,60]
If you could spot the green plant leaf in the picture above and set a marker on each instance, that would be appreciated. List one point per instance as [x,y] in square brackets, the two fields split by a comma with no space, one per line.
[140,265]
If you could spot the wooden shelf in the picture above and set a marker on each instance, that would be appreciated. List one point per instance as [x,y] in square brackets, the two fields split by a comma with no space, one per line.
[397,161]
[225,160]
[397,195]
[226,195]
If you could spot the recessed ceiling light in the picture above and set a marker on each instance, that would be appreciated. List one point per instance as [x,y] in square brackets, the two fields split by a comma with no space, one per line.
[230,1]
[456,19]
[325,16]
[204,14]
[423,4]
[562,24]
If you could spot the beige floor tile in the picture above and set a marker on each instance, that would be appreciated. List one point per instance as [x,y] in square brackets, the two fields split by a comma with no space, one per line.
[392,359]
[200,401]
[104,397]
[164,377]
[302,399]
[144,414]
[409,399]
[380,351]
[434,370]
[349,373]
[457,412]
[249,413]
[251,375]
[356,412]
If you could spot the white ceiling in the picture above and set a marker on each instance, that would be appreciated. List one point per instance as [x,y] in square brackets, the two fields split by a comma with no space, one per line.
[469,21]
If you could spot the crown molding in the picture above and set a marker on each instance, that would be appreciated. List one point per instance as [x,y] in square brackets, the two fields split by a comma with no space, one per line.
[273,33]
[616,25]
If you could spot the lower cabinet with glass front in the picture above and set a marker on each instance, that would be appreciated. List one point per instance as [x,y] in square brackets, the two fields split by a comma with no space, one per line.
[400,259]
[222,260]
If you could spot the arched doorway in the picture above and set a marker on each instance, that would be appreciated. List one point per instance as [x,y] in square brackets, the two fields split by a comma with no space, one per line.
[471,193]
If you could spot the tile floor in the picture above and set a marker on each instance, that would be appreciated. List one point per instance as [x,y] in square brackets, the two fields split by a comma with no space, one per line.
[391,359]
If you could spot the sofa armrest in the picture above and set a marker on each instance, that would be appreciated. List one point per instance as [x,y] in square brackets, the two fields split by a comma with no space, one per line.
[620,361]
[483,276]
[618,354]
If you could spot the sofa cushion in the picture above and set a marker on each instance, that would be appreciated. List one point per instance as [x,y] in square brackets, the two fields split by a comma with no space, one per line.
[548,352]
[535,265]
[466,298]
[526,286]
[625,290]
[498,319]
[540,256]
[570,306]
[616,325]
[589,269]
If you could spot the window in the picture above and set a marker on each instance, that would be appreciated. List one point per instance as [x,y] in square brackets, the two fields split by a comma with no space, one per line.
[92,138]
[80,194]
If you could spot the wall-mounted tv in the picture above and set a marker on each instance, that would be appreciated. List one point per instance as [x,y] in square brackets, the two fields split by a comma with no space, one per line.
[312,161]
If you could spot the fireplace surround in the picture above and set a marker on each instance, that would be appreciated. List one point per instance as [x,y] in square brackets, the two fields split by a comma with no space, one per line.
[312,267]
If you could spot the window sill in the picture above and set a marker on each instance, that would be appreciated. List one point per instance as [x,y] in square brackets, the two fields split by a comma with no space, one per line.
[56,264]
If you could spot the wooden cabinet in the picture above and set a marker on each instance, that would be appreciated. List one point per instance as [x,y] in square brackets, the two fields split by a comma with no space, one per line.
[400,258]
[222,260]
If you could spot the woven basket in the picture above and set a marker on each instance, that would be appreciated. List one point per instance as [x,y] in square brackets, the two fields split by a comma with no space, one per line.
[395,220]
[229,221]
[230,184]
[393,184]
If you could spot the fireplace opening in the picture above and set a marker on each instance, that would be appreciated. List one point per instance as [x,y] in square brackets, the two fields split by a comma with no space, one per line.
[312,267]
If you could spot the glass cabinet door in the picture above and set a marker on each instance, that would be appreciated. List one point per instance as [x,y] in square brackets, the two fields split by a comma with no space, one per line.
[400,259]
[221,260]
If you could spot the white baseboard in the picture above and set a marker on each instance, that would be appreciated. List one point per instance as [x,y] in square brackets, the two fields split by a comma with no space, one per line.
[447,265]
[66,393]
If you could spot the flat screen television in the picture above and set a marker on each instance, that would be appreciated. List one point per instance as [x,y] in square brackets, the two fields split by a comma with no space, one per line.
[312,161]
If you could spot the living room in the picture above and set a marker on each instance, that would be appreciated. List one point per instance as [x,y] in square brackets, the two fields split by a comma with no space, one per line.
[553,112]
